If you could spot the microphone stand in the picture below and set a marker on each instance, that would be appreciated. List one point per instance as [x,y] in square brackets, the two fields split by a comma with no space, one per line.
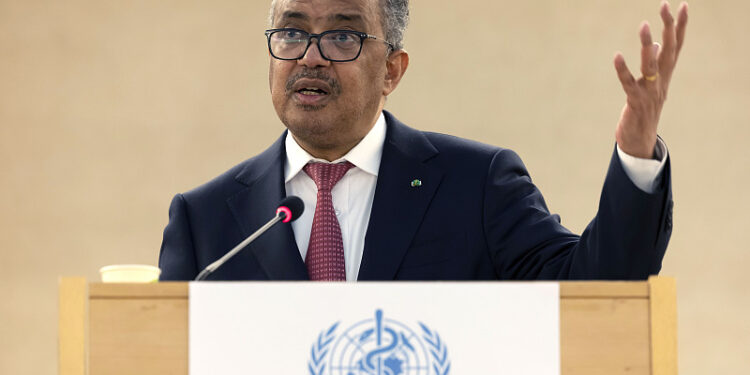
[280,216]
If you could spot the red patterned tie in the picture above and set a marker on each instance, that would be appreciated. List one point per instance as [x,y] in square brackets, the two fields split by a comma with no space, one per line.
[325,252]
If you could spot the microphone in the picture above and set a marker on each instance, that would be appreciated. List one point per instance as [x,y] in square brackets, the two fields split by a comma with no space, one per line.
[289,210]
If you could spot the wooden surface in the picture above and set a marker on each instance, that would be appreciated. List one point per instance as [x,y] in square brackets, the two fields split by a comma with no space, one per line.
[72,326]
[605,328]
[606,289]
[601,334]
[663,311]
[138,329]
[115,290]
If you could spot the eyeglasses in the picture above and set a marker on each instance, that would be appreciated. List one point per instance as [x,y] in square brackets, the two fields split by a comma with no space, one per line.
[334,45]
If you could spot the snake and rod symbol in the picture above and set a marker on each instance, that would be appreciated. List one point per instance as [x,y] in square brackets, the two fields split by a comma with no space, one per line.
[373,360]
[379,346]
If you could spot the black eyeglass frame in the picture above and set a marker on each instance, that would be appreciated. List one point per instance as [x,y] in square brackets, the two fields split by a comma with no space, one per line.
[362,37]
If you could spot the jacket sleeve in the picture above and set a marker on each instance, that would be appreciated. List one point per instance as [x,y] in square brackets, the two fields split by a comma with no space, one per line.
[625,241]
[177,255]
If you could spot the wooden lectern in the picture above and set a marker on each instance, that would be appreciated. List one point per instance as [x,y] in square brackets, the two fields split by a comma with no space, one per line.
[605,328]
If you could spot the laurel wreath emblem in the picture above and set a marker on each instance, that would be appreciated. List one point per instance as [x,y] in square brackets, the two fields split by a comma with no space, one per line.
[439,351]
[320,349]
[321,346]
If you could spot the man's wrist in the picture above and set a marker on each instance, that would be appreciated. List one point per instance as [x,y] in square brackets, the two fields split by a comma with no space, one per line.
[645,173]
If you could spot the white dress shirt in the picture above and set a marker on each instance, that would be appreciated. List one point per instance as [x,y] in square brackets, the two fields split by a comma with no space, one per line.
[645,173]
[354,193]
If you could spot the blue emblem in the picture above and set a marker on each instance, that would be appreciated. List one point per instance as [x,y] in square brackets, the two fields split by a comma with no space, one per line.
[379,346]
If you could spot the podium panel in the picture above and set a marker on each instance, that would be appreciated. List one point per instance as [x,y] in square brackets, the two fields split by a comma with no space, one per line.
[605,328]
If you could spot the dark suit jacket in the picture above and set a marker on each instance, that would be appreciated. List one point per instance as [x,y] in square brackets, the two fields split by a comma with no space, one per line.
[477,216]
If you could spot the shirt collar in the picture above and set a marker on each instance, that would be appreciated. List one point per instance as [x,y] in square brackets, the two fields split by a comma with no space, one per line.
[365,155]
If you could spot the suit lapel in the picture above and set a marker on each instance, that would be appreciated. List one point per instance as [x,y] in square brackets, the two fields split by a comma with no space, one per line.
[398,207]
[276,250]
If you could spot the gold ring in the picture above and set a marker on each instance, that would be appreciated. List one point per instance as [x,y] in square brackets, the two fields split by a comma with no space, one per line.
[651,78]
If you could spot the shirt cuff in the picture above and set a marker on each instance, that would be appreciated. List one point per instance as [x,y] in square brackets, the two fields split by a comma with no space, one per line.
[645,173]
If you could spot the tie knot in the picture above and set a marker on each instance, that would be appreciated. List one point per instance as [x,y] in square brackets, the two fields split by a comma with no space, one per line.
[326,175]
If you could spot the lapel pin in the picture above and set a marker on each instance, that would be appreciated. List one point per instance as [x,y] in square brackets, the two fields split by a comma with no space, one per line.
[416,183]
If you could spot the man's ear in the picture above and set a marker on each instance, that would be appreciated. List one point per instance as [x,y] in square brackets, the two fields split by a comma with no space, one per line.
[396,65]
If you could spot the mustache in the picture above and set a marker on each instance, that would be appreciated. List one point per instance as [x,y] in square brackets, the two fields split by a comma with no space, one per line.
[314,74]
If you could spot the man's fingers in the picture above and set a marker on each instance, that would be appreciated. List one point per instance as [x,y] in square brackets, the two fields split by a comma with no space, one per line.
[669,39]
[682,19]
[645,34]
[649,52]
[627,80]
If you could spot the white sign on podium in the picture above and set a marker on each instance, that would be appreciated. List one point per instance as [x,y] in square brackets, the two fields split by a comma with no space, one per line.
[426,328]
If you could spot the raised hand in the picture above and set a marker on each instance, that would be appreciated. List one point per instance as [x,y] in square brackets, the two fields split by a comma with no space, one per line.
[636,130]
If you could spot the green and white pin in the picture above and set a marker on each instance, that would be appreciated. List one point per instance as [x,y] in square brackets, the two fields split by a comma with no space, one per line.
[416,183]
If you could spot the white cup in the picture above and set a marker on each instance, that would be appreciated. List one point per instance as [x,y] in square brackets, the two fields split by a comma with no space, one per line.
[130,273]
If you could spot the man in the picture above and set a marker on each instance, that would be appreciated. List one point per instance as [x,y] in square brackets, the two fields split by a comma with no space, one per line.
[386,202]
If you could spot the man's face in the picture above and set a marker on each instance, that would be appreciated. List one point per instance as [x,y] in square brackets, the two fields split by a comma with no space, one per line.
[346,97]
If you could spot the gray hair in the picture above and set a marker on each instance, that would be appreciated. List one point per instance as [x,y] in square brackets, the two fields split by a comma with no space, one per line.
[394,15]
[395,19]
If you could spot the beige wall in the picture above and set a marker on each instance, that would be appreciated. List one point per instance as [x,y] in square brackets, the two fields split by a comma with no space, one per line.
[108,108]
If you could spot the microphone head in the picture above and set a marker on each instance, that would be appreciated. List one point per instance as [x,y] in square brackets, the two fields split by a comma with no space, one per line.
[292,207]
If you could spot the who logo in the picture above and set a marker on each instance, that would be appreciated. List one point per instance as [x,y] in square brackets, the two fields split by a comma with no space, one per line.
[379,346]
